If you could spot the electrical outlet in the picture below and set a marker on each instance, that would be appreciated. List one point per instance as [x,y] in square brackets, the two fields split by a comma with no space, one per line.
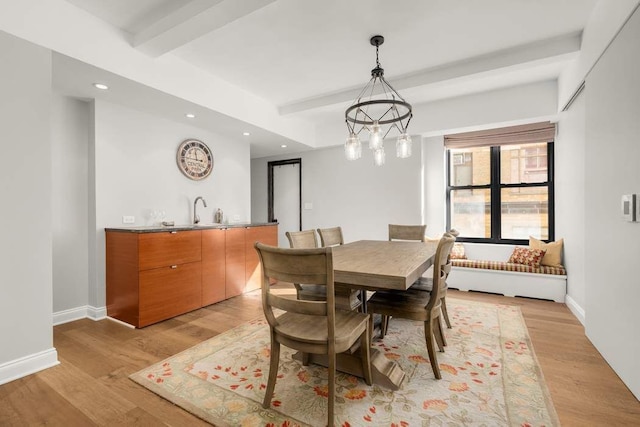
[128,219]
[236,218]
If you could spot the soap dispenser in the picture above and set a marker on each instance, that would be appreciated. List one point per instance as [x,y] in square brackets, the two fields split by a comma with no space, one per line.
[217,217]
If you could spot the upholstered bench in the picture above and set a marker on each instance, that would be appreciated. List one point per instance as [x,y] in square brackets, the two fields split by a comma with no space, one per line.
[509,279]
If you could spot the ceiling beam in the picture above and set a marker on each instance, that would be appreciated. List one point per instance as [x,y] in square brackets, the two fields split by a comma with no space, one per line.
[557,48]
[195,19]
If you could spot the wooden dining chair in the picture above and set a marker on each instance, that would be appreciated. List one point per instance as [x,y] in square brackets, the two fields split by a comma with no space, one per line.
[419,305]
[426,284]
[346,298]
[309,326]
[331,236]
[407,232]
[402,232]
[306,239]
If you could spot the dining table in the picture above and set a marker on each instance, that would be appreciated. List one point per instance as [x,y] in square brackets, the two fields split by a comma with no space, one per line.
[374,265]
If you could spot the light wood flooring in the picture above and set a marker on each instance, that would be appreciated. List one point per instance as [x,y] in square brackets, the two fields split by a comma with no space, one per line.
[91,386]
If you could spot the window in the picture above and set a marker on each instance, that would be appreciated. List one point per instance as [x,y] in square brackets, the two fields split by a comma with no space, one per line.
[500,193]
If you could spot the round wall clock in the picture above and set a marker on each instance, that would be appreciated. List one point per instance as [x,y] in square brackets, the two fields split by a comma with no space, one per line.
[195,159]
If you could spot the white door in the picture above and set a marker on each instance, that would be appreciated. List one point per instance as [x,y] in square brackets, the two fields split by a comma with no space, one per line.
[286,200]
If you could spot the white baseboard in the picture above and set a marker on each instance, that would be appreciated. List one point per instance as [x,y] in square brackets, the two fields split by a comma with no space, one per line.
[28,365]
[575,309]
[83,312]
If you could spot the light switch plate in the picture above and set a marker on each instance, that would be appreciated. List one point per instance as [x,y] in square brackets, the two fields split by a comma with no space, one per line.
[128,219]
[308,206]
[628,207]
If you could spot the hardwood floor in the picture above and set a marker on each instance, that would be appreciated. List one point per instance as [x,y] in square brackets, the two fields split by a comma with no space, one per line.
[91,386]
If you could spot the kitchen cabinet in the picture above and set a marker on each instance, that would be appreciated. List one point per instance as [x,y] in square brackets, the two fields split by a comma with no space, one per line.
[235,262]
[213,266]
[153,274]
[253,272]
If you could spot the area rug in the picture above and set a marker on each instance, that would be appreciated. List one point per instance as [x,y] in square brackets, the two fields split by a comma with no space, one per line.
[490,377]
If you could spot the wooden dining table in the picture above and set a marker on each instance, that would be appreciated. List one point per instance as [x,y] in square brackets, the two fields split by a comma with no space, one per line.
[378,265]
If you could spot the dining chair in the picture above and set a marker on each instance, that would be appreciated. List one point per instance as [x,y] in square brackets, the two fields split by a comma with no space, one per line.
[426,284]
[407,232]
[420,305]
[331,236]
[345,298]
[352,297]
[315,327]
[402,232]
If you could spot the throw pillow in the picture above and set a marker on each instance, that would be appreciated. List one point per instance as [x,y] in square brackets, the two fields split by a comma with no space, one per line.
[553,251]
[526,256]
[458,251]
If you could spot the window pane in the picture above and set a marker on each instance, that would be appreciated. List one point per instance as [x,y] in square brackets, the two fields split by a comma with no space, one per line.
[470,166]
[525,163]
[525,212]
[471,212]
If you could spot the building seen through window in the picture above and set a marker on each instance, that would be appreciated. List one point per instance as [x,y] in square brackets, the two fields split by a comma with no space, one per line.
[500,193]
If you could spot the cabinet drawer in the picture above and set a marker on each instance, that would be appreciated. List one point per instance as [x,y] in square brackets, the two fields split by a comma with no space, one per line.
[169,291]
[168,248]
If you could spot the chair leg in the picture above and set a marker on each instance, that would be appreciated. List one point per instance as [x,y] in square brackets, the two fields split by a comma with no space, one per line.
[365,348]
[305,359]
[273,371]
[445,314]
[428,335]
[438,333]
[384,325]
[332,387]
[371,327]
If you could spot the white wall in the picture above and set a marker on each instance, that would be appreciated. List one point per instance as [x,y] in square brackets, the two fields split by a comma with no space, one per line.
[25,194]
[612,245]
[134,162]
[570,200]
[433,154]
[358,196]
[70,217]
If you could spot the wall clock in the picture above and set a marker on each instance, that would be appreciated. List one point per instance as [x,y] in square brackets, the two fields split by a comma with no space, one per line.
[194,159]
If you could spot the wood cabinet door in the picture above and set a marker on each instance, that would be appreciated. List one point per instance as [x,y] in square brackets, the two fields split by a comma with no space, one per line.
[267,235]
[168,248]
[169,291]
[234,262]
[213,266]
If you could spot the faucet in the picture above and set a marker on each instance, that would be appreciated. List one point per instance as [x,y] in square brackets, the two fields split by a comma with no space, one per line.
[196,218]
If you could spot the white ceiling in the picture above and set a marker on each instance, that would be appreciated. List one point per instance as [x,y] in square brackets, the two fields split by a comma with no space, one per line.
[309,58]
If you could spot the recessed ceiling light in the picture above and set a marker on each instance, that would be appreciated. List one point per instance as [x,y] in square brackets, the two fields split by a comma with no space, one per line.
[190,116]
[283,146]
[101,86]
[246,133]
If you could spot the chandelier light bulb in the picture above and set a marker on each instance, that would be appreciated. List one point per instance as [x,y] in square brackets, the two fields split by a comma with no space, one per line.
[353,147]
[375,139]
[403,146]
[378,157]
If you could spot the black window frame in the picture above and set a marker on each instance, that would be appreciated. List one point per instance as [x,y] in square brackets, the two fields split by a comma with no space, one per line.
[495,187]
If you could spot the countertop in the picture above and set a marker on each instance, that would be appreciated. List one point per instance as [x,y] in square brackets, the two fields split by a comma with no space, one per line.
[186,227]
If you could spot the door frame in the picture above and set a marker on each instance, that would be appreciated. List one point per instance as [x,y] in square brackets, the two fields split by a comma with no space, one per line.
[270,166]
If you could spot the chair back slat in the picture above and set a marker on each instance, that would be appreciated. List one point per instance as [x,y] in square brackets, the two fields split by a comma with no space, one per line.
[407,232]
[315,308]
[302,239]
[331,236]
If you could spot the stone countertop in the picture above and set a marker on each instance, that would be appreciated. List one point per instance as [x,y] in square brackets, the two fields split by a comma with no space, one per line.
[187,227]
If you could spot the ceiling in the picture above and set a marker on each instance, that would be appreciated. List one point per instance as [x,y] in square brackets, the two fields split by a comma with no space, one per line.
[308,59]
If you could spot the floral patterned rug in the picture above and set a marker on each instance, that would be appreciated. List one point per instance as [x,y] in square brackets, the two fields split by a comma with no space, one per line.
[490,377]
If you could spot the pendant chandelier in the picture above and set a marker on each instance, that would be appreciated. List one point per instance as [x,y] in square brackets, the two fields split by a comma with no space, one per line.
[379,109]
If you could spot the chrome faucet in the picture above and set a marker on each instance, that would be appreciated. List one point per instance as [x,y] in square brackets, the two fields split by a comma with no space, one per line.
[196,218]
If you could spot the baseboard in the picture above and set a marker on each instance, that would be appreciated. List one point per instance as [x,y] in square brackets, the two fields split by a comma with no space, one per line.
[83,312]
[575,309]
[28,365]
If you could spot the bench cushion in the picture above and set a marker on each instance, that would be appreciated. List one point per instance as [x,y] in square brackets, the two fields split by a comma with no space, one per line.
[507,266]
